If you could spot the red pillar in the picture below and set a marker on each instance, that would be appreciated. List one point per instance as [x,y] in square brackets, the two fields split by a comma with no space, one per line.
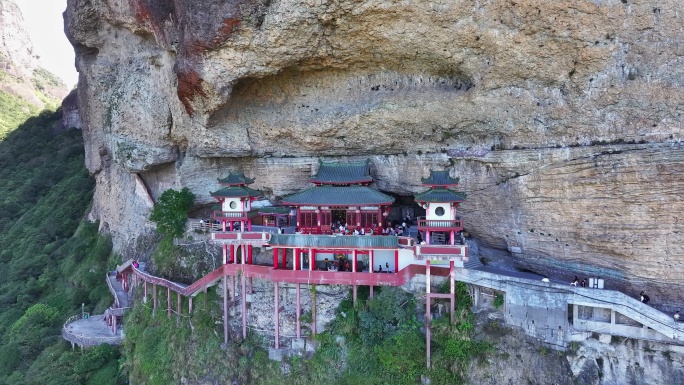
[275,258]
[225,253]
[224,225]
[249,254]
[396,261]
[276,321]
[428,316]
[354,269]
[225,308]
[231,226]
[312,259]
[451,238]
[453,290]
[232,253]
[297,256]
[249,225]
[298,313]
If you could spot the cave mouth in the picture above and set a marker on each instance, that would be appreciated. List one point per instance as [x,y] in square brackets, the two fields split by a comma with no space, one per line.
[404,205]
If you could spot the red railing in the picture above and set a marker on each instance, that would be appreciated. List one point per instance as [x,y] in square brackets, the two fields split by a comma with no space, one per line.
[443,224]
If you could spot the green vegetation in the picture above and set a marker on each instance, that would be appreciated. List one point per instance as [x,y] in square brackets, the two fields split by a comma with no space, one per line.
[171,212]
[50,261]
[378,342]
[14,111]
[498,301]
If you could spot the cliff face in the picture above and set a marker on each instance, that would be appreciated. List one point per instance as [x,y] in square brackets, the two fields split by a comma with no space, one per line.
[20,71]
[563,119]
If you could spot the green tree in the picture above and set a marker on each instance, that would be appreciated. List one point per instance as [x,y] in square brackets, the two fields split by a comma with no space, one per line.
[171,211]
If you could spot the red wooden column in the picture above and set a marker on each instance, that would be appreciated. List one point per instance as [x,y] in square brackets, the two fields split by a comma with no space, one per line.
[275,258]
[225,308]
[452,272]
[298,313]
[231,226]
[249,254]
[232,253]
[244,306]
[224,226]
[297,256]
[276,321]
[396,261]
[354,264]
[225,253]
[451,238]
[428,316]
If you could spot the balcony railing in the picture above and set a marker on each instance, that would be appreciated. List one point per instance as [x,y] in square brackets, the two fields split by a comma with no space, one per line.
[443,224]
[230,215]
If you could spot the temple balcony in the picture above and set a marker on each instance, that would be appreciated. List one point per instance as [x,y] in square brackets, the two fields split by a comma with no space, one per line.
[437,252]
[440,225]
[230,215]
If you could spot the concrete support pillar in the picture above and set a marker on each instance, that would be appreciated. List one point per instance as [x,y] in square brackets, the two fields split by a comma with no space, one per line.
[168,302]
[225,253]
[145,290]
[114,324]
[612,317]
[178,307]
[189,305]
[313,310]
[371,254]
[452,285]
[154,296]
[575,314]
[243,259]
[244,306]
[298,312]
[276,320]
[354,295]
[225,309]
[370,295]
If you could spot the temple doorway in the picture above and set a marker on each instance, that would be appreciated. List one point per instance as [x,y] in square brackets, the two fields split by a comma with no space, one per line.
[339,216]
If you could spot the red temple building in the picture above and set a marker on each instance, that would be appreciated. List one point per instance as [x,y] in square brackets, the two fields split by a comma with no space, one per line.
[340,197]
[236,202]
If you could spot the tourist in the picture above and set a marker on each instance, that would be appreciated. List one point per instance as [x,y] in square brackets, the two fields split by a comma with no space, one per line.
[403,226]
[574,281]
[420,238]
[356,231]
[380,268]
[584,283]
[387,266]
[363,231]
[347,266]
[135,264]
[644,297]
[676,316]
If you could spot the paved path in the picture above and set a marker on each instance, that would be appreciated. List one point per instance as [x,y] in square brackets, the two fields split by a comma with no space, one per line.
[120,293]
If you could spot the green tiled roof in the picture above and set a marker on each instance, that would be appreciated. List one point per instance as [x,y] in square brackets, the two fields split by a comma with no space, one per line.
[338,195]
[440,194]
[235,192]
[236,179]
[334,241]
[274,210]
[439,178]
[342,173]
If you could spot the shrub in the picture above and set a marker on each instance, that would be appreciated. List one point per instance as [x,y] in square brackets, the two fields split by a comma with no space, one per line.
[171,211]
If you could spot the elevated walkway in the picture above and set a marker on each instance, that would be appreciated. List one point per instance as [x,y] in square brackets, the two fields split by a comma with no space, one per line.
[546,305]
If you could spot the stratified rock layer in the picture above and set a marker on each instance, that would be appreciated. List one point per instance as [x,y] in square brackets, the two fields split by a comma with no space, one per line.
[562,118]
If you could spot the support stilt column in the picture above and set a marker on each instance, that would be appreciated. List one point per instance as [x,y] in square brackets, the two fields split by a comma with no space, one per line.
[428,316]
[189,305]
[354,295]
[276,321]
[154,296]
[225,309]
[225,253]
[453,290]
[244,306]
[313,310]
[232,288]
[168,302]
[178,297]
[298,312]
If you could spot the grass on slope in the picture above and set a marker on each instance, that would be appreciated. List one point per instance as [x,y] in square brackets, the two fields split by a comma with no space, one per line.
[50,261]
